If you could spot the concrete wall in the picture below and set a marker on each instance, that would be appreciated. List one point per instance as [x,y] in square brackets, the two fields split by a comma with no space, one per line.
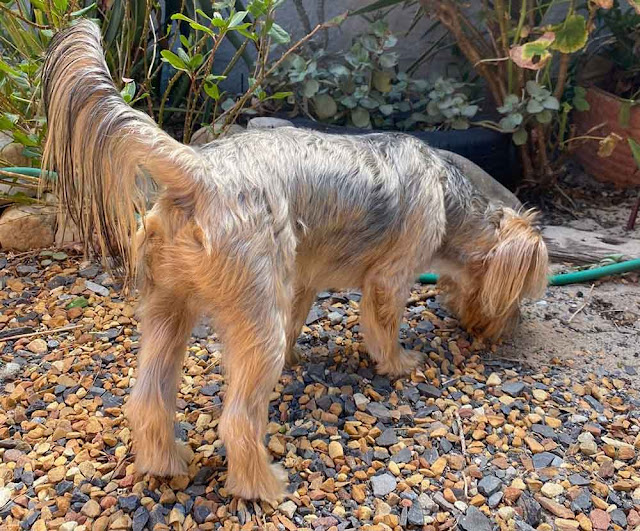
[410,47]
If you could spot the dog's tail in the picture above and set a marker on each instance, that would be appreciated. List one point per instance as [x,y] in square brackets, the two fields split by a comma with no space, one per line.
[99,146]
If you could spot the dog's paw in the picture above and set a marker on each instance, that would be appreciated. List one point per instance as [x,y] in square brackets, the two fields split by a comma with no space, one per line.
[400,365]
[270,486]
[168,463]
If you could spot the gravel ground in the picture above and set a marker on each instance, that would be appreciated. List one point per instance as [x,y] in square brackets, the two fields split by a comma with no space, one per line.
[520,436]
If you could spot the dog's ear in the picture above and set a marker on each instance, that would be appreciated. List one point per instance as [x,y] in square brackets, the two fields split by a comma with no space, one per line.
[516,266]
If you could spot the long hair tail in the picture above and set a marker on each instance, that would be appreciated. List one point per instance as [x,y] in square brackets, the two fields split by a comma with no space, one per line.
[99,146]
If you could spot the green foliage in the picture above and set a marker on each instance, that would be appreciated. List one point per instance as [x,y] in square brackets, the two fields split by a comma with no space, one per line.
[138,50]
[537,105]
[621,27]
[363,87]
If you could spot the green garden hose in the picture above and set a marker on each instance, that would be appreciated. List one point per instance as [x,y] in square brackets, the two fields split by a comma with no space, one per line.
[28,172]
[429,278]
[570,278]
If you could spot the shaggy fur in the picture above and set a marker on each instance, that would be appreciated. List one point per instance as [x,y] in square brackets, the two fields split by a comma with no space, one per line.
[250,228]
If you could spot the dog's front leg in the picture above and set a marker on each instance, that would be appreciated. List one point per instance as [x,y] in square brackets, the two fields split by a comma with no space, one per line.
[254,358]
[167,320]
[384,296]
[302,301]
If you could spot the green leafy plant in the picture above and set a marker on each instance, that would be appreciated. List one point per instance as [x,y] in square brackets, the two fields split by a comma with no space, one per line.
[139,48]
[23,42]
[618,33]
[523,51]
[363,87]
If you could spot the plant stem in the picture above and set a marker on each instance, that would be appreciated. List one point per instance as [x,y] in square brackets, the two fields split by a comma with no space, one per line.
[23,19]
[235,110]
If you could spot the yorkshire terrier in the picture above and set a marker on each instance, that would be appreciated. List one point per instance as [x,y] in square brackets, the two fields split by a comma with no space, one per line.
[249,228]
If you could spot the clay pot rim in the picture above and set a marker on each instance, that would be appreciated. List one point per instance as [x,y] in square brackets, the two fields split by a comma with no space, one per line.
[612,96]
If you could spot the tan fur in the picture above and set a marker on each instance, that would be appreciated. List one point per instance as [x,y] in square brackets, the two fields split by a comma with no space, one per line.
[248,229]
[508,263]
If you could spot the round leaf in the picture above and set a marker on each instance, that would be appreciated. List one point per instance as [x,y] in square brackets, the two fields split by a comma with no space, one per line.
[534,107]
[519,137]
[533,55]
[325,106]
[572,35]
[382,81]
[361,117]
[386,109]
[544,117]
[310,88]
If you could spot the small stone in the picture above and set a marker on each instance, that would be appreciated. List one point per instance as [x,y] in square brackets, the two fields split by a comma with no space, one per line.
[585,523]
[141,517]
[430,391]
[68,526]
[268,122]
[588,444]
[540,395]
[97,288]
[335,450]
[383,484]
[179,482]
[511,495]
[534,445]
[415,515]
[288,508]
[489,485]
[5,496]
[578,480]
[387,438]
[37,346]
[493,380]
[514,389]
[57,474]
[543,460]
[475,520]
[566,525]
[599,519]
[618,518]
[91,509]
[555,508]
[129,503]
[552,490]
[121,523]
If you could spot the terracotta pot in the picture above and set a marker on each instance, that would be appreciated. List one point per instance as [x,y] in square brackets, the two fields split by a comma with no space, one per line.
[618,116]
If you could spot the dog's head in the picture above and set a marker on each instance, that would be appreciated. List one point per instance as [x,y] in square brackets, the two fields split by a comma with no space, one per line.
[494,269]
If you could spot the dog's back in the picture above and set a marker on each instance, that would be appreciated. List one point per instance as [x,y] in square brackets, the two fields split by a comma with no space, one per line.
[349,198]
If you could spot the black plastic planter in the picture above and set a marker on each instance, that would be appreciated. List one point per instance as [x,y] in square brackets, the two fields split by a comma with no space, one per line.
[494,152]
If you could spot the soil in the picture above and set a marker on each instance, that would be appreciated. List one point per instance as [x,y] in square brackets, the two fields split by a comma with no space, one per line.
[595,327]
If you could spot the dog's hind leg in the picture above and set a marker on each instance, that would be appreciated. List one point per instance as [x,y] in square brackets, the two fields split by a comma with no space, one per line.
[167,320]
[384,296]
[302,301]
[254,357]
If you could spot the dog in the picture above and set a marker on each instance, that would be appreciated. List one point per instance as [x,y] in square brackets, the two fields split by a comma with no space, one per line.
[249,228]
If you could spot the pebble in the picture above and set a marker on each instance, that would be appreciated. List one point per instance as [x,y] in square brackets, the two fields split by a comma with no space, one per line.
[383,484]
[335,450]
[489,485]
[475,520]
[359,449]
[91,509]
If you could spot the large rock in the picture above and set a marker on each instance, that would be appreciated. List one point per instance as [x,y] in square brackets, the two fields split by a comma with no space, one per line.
[486,184]
[27,227]
[204,135]
[268,122]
